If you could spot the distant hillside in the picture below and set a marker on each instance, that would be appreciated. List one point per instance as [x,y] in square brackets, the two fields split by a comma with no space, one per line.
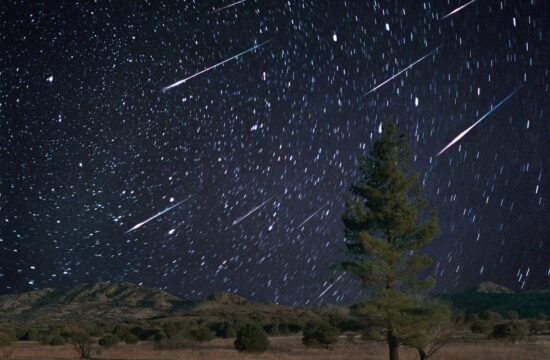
[104,301]
[493,297]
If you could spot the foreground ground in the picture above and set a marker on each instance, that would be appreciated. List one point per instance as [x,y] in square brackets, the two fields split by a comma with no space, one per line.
[291,348]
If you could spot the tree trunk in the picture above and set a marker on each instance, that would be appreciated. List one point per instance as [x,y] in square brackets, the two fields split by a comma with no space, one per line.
[422,354]
[393,344]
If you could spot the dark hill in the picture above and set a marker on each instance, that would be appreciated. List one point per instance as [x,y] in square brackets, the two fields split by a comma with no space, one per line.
[104,301]
[493,297]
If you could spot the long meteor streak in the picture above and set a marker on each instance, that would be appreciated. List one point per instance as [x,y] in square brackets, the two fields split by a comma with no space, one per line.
[402,71]
[177,83]
[330,286]
[311,216]
[227,6]
[241,218]
[156,215]
[462,134]
[457,9]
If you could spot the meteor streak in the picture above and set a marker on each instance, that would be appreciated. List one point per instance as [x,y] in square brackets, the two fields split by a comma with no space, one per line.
[402,71]
[312,215]
[156,216]
[330,286]
[462,134]
[241,218]
[457,9]
[227,6]
[177,83]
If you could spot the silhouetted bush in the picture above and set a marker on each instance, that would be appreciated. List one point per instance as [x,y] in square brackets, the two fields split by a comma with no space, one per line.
[5,339]
[224,330]
[480,327]
[201,333]
[513,331]
[81,343]
[57,340]
[537,326]
[131,339]
[252,338]
[108,340]
[320,334]
[28,335]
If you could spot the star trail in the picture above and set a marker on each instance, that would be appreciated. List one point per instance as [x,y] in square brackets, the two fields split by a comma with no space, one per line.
[262,118]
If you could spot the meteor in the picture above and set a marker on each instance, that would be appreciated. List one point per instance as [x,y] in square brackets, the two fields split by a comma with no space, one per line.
[227,7]
[312,215]
[156,215]
[462,134]
[402,71]
[329,287]
[457,9]
[177,83]
[241,218]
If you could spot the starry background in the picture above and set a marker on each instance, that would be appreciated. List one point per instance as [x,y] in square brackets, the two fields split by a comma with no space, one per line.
[91,146]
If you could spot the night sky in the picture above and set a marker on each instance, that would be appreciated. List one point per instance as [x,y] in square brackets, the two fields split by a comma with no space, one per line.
[246,164]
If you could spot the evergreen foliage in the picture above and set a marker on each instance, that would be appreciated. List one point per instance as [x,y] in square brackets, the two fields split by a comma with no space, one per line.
[383,233]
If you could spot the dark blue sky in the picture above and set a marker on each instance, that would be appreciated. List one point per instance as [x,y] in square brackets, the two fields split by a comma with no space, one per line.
[90,145]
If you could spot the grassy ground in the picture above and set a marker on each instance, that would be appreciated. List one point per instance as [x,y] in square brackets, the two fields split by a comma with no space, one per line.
[291,348]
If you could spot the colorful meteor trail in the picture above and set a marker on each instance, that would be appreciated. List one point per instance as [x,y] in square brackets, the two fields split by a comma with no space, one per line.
[402,71]
[458,9]
[156,215]
[177,83]
[241,218]
[462,134]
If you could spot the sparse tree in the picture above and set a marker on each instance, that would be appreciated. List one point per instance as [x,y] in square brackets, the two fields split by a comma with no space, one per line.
[82,344]
[383,231]
[429,330]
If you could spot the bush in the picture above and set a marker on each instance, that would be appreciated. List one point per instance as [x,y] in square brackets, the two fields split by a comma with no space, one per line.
[537,326]
[224,330]
[108,341]
[252,338]
[57,340]
[5,339]
[320,334]
[201,333]
[480,327]
[28,335]
[82,343]
[513,331]
[131,339]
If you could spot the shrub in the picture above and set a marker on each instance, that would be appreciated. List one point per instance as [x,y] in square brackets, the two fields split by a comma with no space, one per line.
[201,333]
[81,343]
[480,327]
[513,331]
[252,338]
[225,330]
[537,326]
[320,334]
[57,340]
[5,339]
[108,341]
[272,329]
[29,335]
[541,316]
[131,339]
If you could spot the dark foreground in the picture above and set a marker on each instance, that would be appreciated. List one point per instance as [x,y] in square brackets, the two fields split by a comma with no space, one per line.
[290,347]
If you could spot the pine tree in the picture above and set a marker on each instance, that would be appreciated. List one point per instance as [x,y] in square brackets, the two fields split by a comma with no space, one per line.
[383,231]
